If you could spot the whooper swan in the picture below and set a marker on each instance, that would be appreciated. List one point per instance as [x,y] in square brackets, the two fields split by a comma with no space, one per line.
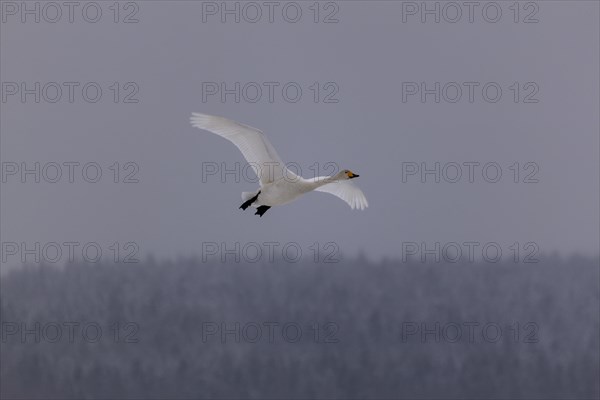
[278,185]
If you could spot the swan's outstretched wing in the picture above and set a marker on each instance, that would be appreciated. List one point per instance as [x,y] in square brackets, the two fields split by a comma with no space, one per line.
[253,144]
[348,192]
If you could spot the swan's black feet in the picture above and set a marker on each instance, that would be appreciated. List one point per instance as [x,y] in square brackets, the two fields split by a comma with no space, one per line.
[261,210]
[249,202]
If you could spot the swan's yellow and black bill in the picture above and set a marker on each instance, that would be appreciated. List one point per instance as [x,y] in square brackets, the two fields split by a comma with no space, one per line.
[351,175]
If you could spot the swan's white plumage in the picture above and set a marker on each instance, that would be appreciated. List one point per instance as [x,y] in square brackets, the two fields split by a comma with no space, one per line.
[252,142]
[278,184]
[346,191]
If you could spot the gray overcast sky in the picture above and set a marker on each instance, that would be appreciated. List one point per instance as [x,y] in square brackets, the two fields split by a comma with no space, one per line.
[371,58]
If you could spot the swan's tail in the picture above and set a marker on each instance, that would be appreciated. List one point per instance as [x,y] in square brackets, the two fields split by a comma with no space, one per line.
[248,195]
[249,199]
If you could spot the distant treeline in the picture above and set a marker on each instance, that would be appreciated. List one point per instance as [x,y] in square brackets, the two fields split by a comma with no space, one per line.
[353,329]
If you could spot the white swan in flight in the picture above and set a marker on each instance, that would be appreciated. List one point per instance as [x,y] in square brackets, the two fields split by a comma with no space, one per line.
[278,185]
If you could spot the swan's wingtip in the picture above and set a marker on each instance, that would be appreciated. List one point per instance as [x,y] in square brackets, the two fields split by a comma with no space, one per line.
[360,206]
[199,120]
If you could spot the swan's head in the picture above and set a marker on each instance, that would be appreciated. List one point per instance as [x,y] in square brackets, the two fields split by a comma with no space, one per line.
[347,174]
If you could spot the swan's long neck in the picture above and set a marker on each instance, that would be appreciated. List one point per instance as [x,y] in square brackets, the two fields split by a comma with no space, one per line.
[321,181]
